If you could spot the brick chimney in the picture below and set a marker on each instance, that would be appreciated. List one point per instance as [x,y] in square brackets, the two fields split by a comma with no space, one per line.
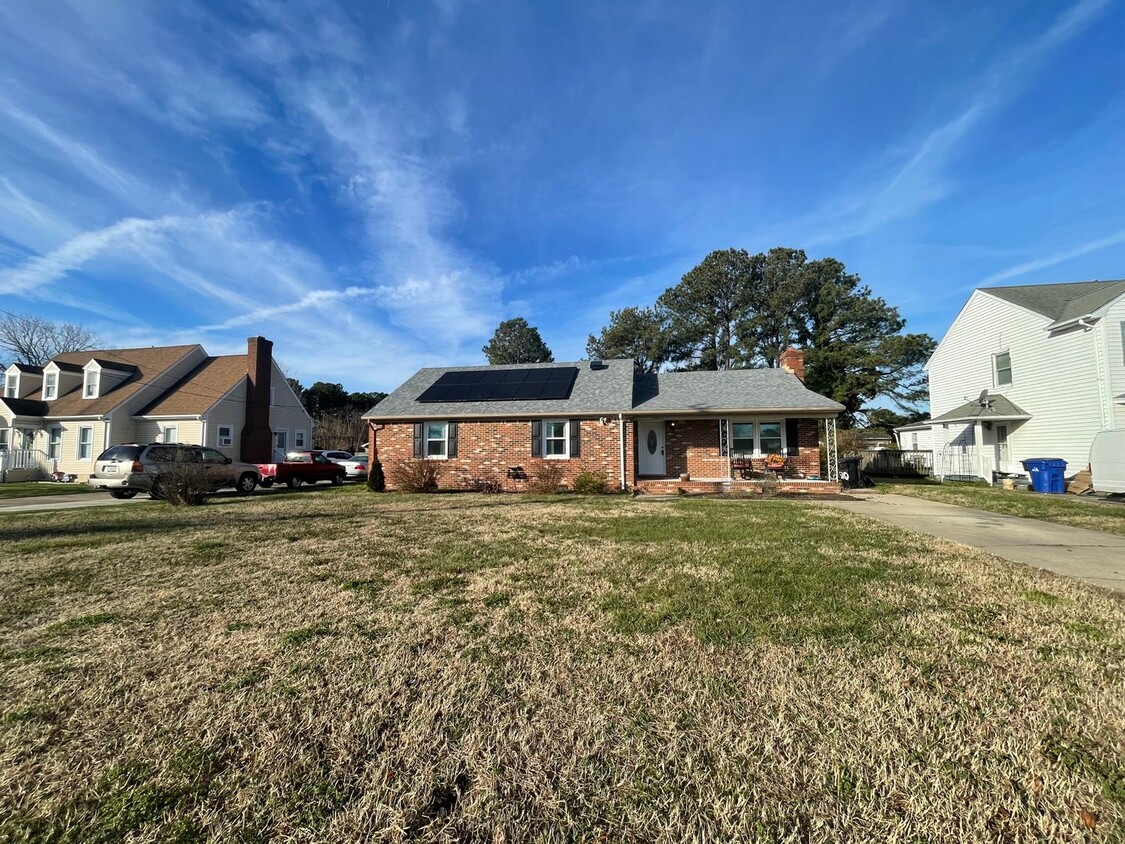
[257,437]
[793,360]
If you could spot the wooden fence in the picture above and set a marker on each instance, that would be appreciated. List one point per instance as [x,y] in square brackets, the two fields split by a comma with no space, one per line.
[897,464]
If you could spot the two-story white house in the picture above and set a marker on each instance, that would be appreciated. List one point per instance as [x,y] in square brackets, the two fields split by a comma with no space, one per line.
[1024,372]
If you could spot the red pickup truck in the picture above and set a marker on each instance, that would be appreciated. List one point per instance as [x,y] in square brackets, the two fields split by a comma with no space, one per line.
[301,467]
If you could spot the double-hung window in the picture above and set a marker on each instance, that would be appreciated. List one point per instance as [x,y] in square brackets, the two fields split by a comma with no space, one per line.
[54,442]
[85,442]
[171,434]
[50,386]
[769,437]
[742,438]
[1003,365]
[437,439]
[555,438]
[757,438]
[12,387]
[90,385]
[4,439]
[298,439]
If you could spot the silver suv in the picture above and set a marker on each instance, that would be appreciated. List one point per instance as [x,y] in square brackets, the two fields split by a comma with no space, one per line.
[125,470]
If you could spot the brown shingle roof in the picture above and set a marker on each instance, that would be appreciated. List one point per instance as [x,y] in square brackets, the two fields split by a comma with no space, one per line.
[148,363]
[198,391]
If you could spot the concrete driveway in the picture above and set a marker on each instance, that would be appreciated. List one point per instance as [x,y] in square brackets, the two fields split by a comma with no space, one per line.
[1089,555]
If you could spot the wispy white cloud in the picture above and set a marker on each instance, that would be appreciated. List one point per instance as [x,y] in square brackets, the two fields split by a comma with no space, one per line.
[1114,239]
[314,299]
[923,178]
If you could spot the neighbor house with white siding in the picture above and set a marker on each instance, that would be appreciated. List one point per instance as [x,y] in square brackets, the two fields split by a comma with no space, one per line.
[1027,371]
[58,417]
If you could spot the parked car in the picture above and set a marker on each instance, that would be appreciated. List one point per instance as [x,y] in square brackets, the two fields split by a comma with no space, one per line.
[125,470]
[356,466]
[301,467]
[336,456]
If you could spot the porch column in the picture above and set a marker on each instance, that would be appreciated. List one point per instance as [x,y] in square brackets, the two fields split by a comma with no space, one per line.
[978,450]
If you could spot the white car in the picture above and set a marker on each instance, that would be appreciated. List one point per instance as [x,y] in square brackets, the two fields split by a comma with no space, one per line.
[354,465]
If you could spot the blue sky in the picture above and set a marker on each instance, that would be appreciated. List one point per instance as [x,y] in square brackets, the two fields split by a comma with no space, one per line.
[374,186]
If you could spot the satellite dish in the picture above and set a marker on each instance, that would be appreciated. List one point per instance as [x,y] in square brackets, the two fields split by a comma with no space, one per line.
[983,399]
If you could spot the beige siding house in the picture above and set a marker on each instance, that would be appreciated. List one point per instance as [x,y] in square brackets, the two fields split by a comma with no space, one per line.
[1027,371]
[57,418]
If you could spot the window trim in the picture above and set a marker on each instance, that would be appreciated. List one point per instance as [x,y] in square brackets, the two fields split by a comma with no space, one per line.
[565,439]
[54,446]
[5,439]
[299,439]
[50,388]
[78,444]
[12,385]
[427,439]
[164,429]
[228,436]
[996,382]
[97,384]
[758,423]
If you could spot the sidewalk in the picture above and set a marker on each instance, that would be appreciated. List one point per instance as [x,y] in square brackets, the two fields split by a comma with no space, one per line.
[1090,555]
[63,502]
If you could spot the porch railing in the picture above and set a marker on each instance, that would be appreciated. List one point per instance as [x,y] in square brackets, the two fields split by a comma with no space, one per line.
[25,458]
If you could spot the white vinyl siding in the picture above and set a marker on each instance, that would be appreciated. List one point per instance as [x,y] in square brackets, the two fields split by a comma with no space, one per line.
[1057,379]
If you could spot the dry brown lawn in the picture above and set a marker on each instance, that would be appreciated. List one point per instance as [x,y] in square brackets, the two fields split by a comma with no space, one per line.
[343,666]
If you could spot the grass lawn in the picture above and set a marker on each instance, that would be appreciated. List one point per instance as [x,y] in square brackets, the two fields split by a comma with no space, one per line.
[342,666]
[1061,509]
[27,490]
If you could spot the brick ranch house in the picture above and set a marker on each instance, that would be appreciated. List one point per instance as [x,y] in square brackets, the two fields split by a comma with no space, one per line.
[723,430]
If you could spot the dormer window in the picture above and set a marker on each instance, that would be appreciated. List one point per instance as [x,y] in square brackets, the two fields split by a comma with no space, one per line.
[12,387]
[50,386]
[90,385]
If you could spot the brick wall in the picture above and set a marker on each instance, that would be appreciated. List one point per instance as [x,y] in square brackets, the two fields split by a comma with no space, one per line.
[486,450]
[693,446]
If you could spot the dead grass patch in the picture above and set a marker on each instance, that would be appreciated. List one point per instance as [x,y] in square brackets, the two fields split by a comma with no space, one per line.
[342,666]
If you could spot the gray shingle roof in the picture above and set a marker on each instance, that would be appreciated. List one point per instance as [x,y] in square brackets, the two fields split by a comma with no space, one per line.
[1061,302]
[595,391]
[614,389]
[997,410]
[730,390]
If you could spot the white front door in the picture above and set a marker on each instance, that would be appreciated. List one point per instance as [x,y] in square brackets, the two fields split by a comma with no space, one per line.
[1003,453]
[650,447]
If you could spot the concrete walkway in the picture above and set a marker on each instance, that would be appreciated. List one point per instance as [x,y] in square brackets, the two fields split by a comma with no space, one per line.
[64,502]
[1089,555]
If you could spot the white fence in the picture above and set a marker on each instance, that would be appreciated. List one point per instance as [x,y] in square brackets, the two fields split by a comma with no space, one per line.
[25,458]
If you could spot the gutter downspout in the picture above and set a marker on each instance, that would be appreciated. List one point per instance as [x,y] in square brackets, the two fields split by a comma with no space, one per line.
[621,438]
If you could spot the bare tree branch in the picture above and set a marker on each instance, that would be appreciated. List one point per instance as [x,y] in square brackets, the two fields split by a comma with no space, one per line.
[33,340]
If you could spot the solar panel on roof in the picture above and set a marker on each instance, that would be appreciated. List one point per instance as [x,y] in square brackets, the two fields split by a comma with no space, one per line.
[531,384]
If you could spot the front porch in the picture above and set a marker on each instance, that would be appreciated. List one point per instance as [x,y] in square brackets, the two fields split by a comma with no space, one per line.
[746,454]
[714,486]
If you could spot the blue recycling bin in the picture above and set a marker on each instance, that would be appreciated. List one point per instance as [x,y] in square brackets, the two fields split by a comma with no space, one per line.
[1048,474]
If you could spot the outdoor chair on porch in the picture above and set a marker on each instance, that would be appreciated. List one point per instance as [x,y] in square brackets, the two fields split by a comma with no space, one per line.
[741,464]
[777,463]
